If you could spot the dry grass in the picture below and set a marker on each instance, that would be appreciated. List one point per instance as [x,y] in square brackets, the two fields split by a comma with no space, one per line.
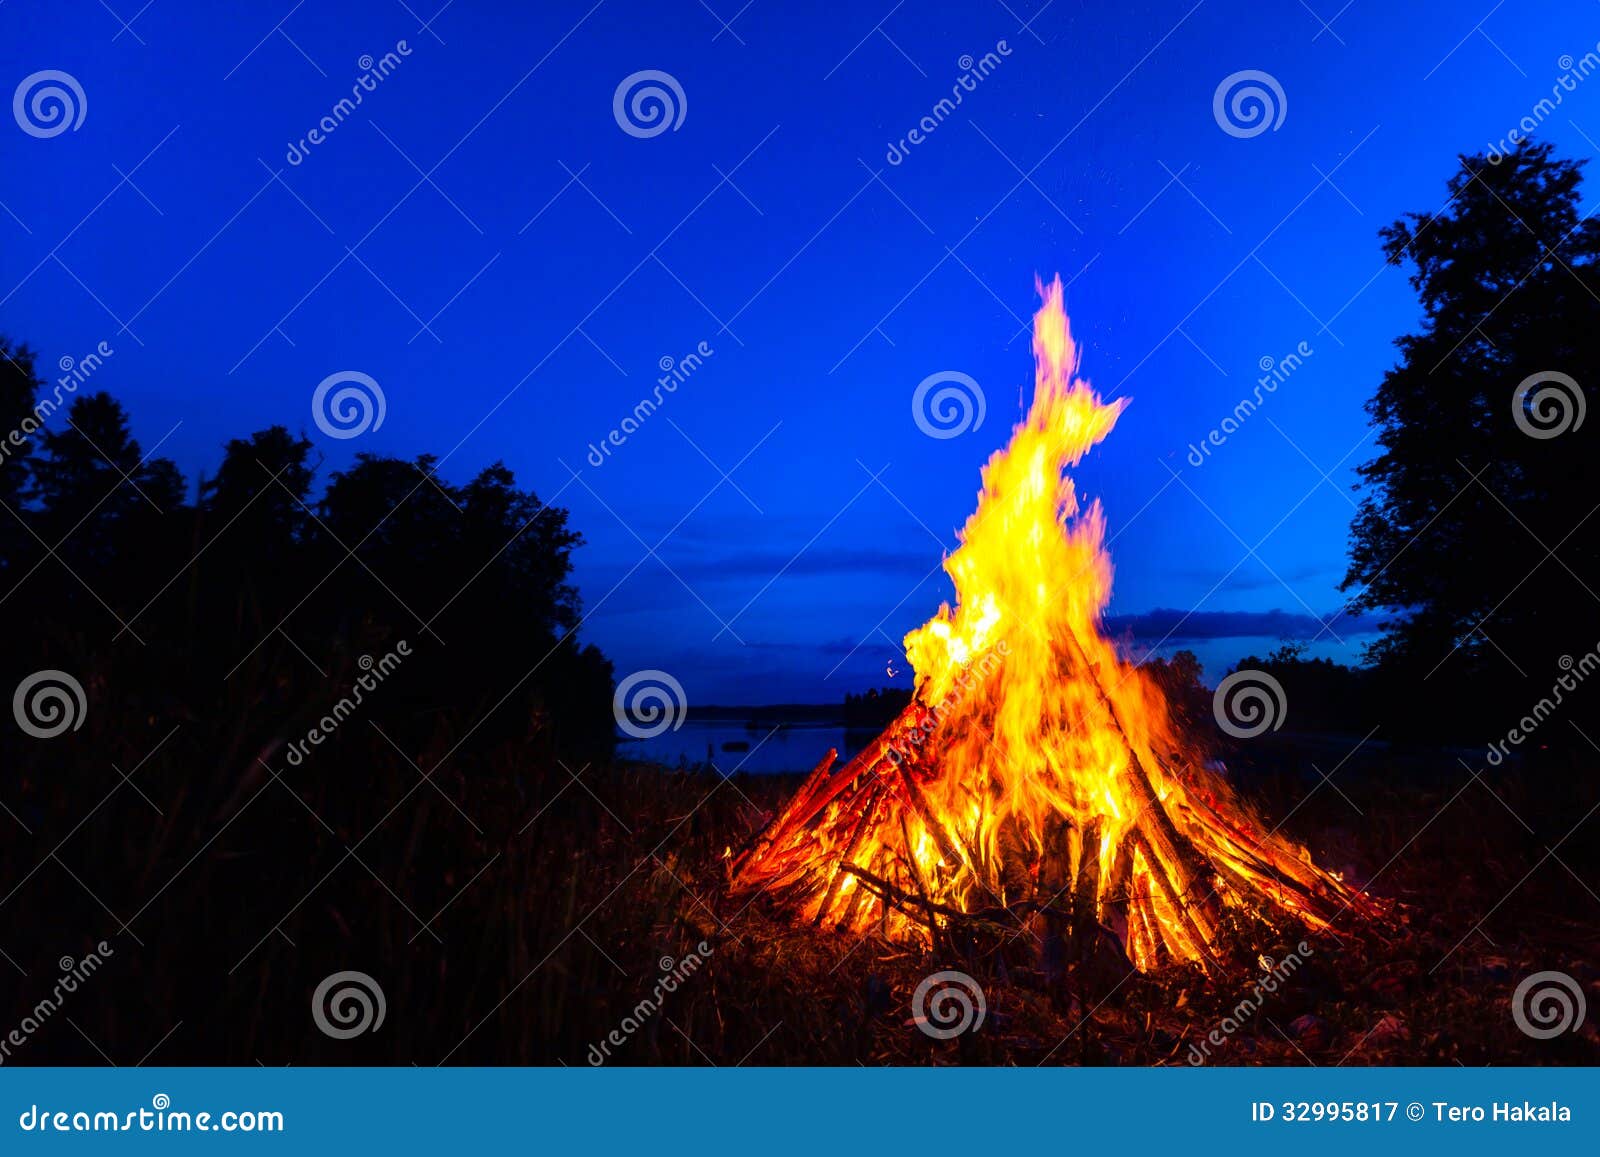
[554,897]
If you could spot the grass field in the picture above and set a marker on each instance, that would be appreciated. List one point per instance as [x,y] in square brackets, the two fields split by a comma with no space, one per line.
[516,910]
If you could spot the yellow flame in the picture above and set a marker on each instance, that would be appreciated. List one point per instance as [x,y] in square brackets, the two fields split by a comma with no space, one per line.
[1038,735]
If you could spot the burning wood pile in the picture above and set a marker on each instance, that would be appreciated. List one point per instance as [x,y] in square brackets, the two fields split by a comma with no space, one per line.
[1037,779]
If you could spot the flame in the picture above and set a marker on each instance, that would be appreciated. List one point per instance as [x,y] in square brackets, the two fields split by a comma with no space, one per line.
[1037,772]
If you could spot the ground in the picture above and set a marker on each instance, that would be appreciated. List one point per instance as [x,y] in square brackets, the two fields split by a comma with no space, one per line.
[517,909]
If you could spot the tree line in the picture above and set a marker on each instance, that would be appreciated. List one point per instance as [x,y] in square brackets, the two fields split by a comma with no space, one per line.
[252,589]
[1477,534]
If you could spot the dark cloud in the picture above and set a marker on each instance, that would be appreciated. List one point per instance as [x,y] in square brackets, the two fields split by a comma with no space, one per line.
[1182,626]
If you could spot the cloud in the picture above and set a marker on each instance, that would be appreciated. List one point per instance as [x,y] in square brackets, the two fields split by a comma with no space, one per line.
[1187,626]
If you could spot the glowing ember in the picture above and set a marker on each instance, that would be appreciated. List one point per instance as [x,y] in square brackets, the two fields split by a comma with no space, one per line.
[1037,776]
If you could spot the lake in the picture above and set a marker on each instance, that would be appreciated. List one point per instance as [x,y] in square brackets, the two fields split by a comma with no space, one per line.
[773,748]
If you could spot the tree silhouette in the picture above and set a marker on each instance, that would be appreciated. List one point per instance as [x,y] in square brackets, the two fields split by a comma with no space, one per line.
[19,387]
[255,512]
[265,478]
[106,511]
[252,601]
[1464,504]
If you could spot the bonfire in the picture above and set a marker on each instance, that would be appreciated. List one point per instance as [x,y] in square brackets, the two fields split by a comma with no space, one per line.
[1038,779]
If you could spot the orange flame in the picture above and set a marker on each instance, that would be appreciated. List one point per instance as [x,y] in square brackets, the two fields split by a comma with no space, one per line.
[1036,772]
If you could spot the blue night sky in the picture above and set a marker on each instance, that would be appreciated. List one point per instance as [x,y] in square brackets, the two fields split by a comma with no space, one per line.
[483,239]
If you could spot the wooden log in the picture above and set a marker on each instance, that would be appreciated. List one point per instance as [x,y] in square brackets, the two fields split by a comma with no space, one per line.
[1267,848]
[847,918]
[1018,861]
[771,833]
[1154,822]
[1055,862]
[1052,923]
[812,785]
[1086,889]
[1116,890]
[913,906]
[914,870]
[1144,921]
[1114,898]
[855,770]
[863,821]
[919,804]
[1187,927]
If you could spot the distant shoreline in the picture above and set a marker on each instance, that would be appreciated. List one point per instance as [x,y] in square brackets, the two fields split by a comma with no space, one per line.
[824,713]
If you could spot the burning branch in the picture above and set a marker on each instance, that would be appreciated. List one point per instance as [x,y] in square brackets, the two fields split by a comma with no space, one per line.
[1021,786]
